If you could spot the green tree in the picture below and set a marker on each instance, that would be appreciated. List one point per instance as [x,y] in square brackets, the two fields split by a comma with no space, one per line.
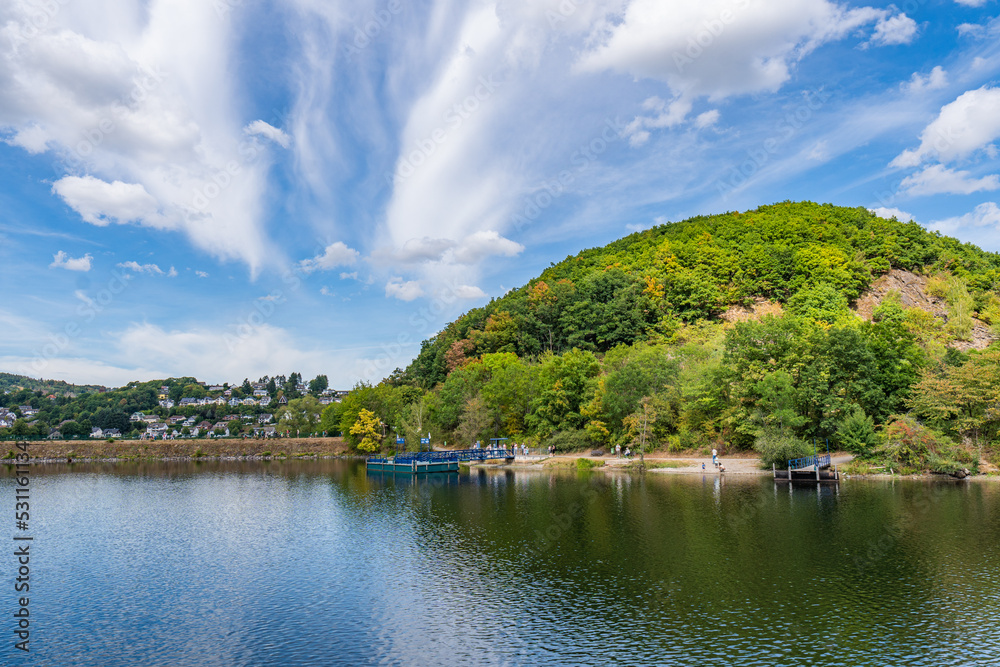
[475,420]
[301,415]
[857,433]
[194,390]
[74,429]
[318,385]
[565,384]
[821,302]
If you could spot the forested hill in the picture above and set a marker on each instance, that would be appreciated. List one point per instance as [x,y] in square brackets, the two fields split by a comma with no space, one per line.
[812,258]
[11,383]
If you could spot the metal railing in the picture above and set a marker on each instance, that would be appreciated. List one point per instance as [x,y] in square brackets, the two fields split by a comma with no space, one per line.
[822,461]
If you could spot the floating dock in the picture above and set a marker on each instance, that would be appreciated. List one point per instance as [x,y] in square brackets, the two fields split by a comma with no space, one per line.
[411,467]
[418,463]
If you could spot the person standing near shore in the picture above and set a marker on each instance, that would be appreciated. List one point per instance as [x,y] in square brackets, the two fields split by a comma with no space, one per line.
[715,453]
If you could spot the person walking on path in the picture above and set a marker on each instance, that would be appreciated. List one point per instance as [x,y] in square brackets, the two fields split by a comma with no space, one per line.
[714,455]
[618,450]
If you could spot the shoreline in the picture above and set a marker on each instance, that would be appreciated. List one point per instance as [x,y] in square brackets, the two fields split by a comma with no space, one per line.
[230,449]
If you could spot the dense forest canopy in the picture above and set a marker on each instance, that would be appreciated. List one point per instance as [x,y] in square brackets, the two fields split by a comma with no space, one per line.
[646,285]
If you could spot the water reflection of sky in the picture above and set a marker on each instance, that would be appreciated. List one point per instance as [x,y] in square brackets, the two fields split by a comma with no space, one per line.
[324,564]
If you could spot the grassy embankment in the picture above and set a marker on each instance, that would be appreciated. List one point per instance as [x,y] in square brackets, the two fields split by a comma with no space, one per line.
[60,450]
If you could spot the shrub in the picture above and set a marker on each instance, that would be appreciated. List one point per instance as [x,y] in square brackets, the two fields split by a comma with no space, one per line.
[569,441]
[777,446]
[857,433]
[906,442]
[587,464]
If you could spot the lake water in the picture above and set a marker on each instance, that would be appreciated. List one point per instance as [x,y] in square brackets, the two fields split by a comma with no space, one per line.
[319,563]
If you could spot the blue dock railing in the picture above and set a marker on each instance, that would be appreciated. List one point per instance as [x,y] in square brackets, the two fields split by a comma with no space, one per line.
[810,462]
[455,455]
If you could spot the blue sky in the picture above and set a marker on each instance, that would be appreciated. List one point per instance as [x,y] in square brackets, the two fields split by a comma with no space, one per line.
[233,188]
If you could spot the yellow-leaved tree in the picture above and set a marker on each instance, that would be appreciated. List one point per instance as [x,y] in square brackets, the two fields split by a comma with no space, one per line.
[367,428]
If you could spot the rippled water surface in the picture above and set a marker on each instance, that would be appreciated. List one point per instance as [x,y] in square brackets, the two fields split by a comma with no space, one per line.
[319,563]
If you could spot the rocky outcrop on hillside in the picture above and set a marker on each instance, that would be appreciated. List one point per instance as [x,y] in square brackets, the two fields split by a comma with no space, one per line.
[912,290]
[758,309]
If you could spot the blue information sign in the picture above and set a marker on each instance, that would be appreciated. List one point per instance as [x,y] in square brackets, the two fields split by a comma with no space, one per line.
[400,441]
[425,441]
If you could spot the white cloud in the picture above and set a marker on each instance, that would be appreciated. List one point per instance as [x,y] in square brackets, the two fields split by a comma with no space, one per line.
[82,296]
[423,249]
[353,275]
[268,131]
[136,267]
[894,30]
[717,48]
[819,151]
[223,355]
[404,291]
[938,179]
[707,119]
[972,30]
[469,292]
[101,203]
[476,247]
[937,79]
[470,250]
[201,274]
[985,217]
[964,126]
[889,213]
[972,3]
[665,115]
[31,138]
[335,254]
[64,261]
[145,131]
